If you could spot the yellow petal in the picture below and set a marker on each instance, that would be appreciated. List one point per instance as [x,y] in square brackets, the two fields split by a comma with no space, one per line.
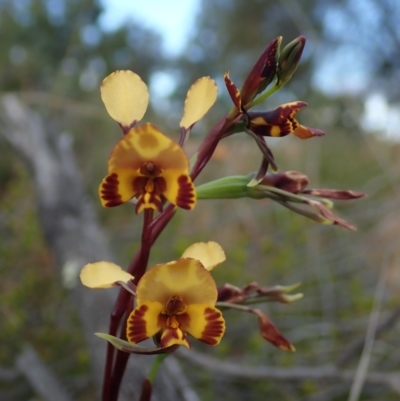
[210,254]
[146,143]
[125,96]
[172,336]
[103,275]
[144,322]
[199,99]
[203,322]
[117,187]
[186,278]
[179,189]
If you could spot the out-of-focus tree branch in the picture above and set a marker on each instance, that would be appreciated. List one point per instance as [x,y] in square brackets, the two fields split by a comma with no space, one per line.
[325,373]
[40,376]
[356,347]
[66,215]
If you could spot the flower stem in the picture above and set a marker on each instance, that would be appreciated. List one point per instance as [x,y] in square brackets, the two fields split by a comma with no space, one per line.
[265,95]
[117,314]
[150,232]
[156,364]
[114,371]
[121,361]
[146,243]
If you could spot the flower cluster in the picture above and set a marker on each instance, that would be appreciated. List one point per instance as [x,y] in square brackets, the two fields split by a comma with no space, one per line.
[171,301]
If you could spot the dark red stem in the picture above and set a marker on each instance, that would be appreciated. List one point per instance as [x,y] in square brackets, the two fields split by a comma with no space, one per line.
[120,361]
[151,230]
[114,371]
[120,306]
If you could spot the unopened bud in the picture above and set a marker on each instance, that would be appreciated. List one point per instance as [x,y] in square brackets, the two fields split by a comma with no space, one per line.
[290,181]
[262,73]
[270,333]
[289,59]
[232,187]
[229,293]
[341,194]
[329,216]
[237,186]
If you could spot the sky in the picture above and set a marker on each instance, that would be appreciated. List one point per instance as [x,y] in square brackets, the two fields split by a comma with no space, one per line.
[173,19]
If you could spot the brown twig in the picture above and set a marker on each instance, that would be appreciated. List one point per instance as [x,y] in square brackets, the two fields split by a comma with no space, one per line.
[356,347]
[238,371]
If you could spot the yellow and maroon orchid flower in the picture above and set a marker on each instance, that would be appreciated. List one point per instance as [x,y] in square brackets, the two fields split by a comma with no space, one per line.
[145,164]
[151,167]
[173,299]
[178,298]
[281,122]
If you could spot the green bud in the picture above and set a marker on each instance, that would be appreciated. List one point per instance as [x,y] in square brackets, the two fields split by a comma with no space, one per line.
[274,187]
[289,60]
[237,186]
[232,187]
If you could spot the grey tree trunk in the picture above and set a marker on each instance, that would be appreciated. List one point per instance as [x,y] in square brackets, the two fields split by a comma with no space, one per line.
[75,238]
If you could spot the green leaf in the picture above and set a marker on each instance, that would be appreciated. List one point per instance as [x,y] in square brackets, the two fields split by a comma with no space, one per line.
[131,348]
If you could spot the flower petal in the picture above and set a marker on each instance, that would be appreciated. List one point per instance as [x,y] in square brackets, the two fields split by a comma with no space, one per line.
[278,122]
[233,92]
[117,187]
[179,189]
[203,322]
[126,346]
[173,336]
[144,322]
[262,73]
[342,194]
[210,254]
[271,333]
[304,132]
[146,143]
[103,275]
[125,96]
[186,278]
[199,99]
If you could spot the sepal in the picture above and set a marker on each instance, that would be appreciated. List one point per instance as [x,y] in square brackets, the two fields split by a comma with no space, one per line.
[130,348]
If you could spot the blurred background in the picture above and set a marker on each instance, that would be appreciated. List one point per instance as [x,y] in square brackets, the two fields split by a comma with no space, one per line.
[53,56]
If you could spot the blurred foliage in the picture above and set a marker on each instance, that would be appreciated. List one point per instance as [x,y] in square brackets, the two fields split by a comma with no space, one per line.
[60,47]
[55,56]
[35,309]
